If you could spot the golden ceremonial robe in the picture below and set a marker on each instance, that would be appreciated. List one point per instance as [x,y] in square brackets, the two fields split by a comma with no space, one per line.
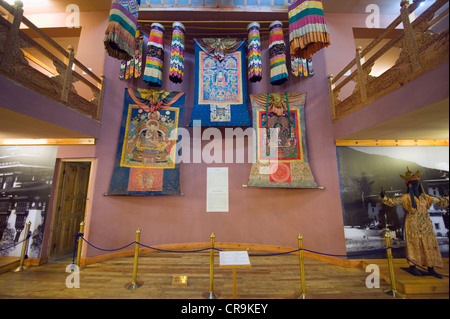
[421,244]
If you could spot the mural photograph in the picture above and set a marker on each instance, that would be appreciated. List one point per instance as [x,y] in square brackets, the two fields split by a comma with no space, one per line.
[365,172]
[26,175]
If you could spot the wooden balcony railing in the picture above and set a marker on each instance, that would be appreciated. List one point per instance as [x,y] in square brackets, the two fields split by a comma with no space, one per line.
[14,64]
[421,49]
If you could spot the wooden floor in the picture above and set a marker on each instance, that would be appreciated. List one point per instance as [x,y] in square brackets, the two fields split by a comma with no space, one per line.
[273,277]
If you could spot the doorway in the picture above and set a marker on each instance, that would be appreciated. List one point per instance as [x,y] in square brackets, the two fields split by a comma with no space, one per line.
[70,206]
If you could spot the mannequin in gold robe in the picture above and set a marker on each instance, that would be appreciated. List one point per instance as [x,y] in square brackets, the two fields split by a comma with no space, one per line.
[421,244]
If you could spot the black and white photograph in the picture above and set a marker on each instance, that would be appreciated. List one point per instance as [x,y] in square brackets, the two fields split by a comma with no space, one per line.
[366,171]
[26,175]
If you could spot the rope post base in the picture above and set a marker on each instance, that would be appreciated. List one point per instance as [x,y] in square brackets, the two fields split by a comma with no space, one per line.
[134,284]
[210,295]
[24,248]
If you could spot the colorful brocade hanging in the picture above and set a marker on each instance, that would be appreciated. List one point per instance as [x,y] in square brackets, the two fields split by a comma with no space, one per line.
[153,73]
[147,159]
[308,30]
[176,71]
[280,147]
[277,54]
[254,53]
[133,68]
[220,97]
[302,67]
[120,32]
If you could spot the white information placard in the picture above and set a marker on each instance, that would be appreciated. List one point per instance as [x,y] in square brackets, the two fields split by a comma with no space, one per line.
[217,189]
[234,258]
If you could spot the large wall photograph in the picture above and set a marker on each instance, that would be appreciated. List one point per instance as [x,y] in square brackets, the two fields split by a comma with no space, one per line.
[365,171]
[26,175]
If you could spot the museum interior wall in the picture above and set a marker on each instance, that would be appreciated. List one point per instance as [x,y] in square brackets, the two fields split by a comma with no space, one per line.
[272,217]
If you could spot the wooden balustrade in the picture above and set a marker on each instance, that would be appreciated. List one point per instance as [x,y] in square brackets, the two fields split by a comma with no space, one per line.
[421,50]
[15,66]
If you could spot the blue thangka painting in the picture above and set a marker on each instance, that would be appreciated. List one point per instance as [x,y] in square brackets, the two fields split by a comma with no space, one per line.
[146,160]
[220,83]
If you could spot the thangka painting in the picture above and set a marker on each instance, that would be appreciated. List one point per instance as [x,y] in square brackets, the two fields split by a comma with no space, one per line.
[146,161]
[220,83]
[280,145]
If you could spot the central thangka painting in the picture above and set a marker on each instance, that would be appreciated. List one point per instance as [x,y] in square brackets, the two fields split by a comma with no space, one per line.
[280,145]
[146,161]
[220,83]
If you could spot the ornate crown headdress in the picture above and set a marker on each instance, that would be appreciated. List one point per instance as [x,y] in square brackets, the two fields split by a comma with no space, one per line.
[410,176]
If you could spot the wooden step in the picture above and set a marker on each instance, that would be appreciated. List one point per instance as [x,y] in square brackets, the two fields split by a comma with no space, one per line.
[8,264]
[409,284]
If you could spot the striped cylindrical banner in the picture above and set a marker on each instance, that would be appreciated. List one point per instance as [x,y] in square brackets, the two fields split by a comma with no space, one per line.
[153,73]
[308,30]
[277,54]
[176,71]
[254,53]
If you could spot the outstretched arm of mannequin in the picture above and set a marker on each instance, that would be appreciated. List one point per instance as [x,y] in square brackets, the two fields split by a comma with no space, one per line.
[391,202]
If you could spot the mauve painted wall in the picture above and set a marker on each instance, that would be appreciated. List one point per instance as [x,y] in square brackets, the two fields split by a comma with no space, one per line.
[257,216]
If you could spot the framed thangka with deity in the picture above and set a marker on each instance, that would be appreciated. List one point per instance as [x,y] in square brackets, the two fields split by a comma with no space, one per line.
[146,160]
[280,145]
[220,83]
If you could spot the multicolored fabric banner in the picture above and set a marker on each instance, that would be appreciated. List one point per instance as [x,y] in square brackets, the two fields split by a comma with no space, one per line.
[176,71]
[277,54]
[153,73]
[220,83]
[146,160]
[120,33]
[302,67]
[254,53]
[133,68]
[308,30]
[280,148]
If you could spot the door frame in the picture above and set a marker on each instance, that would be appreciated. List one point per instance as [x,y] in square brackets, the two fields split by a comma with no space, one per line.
[57,196]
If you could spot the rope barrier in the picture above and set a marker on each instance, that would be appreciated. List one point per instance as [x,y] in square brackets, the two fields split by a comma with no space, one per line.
[356,255]
[274,254]
[211,295]
[175,251]
[102,249]
[216,249]
[18,243]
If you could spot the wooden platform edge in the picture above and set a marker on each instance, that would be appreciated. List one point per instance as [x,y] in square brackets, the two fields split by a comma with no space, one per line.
[408,284]
[8,264]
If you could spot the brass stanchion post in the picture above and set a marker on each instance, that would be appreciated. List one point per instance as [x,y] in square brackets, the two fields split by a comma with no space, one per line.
[79,244]
[392,292]
[302,266]
[210,294]
[24,248]
[134,284]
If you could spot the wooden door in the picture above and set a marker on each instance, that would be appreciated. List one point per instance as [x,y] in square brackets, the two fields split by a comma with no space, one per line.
[71,206]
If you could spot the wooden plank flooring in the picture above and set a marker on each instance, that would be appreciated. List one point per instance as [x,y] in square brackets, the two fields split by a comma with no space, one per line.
[273,277]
